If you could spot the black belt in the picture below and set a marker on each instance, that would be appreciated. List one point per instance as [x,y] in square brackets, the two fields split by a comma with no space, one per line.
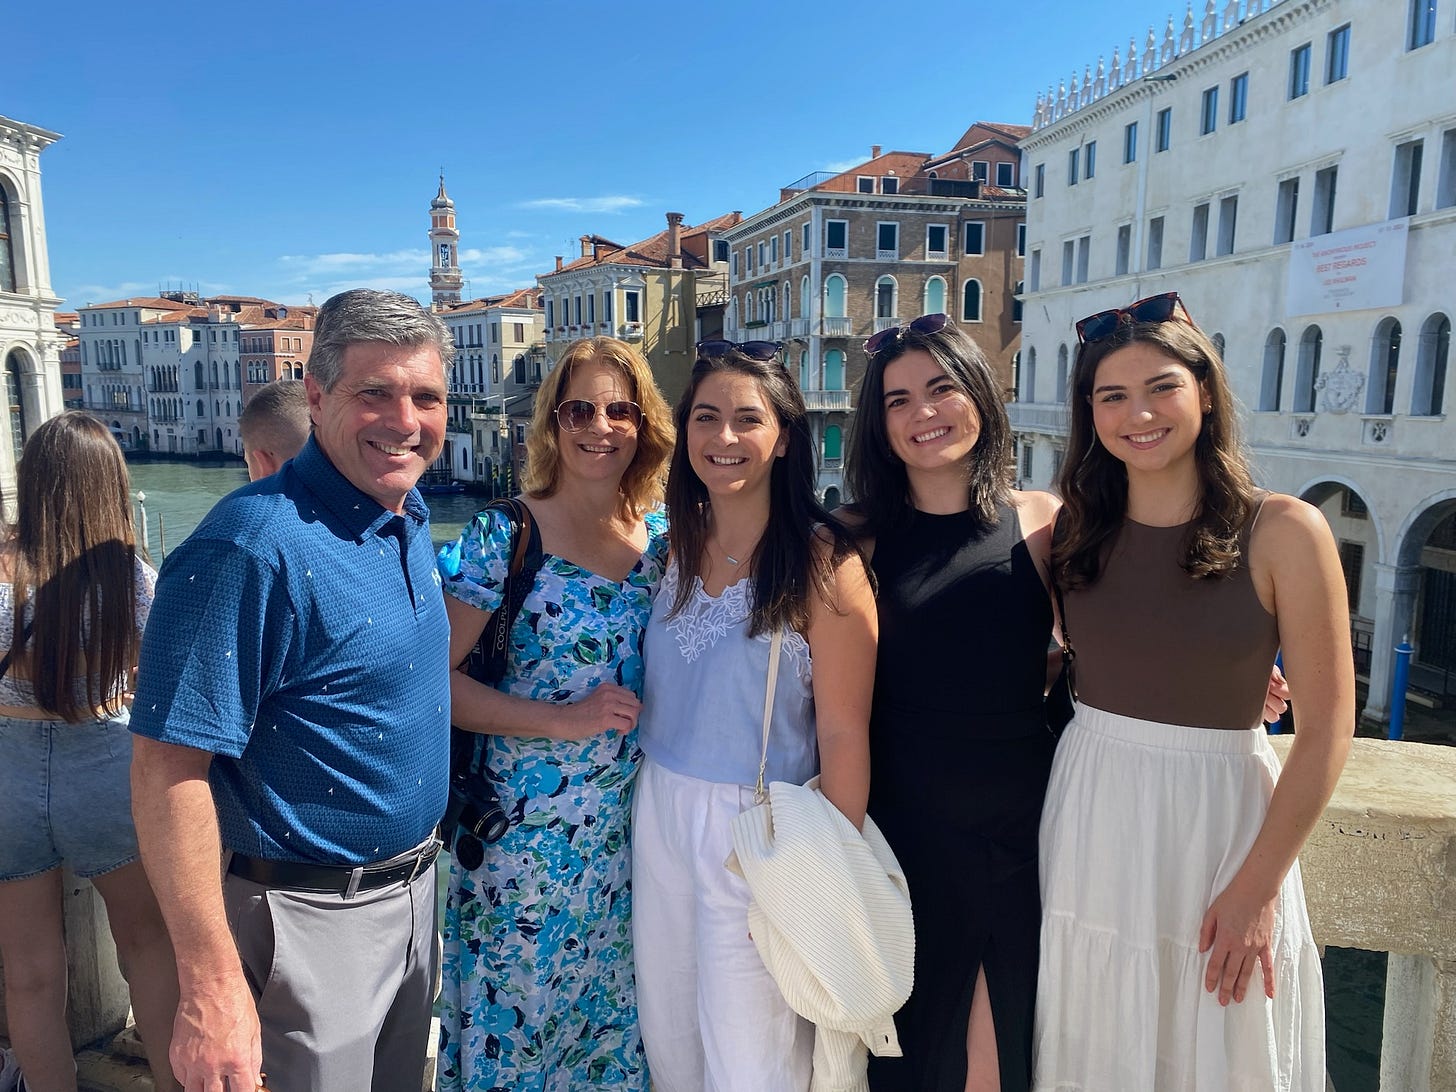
[333,879]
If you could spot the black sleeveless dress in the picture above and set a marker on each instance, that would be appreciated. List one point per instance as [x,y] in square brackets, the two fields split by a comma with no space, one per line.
[959,759]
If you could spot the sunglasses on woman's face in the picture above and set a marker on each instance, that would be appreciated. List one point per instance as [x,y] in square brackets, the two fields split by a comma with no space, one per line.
[754,350]
[576,414]
[925,324]
[1104,324]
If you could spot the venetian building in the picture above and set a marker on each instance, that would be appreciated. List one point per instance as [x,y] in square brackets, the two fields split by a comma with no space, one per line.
[30,345]
[445,275]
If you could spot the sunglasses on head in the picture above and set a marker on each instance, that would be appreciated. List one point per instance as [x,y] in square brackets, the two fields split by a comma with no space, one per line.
[1104,324]
[754,350]
[576,414]
[888,337]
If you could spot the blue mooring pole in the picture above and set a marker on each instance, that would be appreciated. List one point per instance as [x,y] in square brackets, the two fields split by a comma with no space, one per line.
[1398,687]
[1275,725]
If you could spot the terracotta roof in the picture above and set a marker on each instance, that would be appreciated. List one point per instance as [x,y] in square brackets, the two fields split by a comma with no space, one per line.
[518,298]
[179,317]
[981,131]
[155,303]
[292,322]
[66,318]
[650,253]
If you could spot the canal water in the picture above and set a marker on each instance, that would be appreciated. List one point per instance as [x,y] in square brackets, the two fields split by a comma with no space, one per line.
[179,494]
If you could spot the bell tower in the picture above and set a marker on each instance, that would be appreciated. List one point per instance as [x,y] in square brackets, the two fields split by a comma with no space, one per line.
[445,275]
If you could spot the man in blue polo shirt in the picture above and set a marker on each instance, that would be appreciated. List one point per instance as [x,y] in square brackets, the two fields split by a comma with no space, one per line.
[292,709]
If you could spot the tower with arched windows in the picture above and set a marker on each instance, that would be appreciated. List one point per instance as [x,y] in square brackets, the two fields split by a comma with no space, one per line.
[30,346]
[445,275]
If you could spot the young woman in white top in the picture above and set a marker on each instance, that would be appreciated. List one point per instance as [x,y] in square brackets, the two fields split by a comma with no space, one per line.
[753,553]
[74,597]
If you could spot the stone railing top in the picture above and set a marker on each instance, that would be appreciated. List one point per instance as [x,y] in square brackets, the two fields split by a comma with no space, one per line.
[1393,780]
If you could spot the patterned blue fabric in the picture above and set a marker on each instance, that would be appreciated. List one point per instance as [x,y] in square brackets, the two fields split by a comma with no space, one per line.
[538,991]
[299,634]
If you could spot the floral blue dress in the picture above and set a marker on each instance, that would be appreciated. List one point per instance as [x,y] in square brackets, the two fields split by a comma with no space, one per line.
[538,992]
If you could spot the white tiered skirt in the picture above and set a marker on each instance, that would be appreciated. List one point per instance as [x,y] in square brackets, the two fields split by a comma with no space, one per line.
[1144,825]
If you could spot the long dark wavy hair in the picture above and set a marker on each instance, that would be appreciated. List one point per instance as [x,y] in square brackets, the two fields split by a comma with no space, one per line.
[73,567]
[785,566]
[1093,482]
[875,474]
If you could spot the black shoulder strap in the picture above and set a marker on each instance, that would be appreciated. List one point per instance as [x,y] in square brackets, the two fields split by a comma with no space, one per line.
[9,652]
[488,658]
[1069,654]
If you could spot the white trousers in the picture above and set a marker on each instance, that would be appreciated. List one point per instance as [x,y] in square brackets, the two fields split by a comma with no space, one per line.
[712,1018]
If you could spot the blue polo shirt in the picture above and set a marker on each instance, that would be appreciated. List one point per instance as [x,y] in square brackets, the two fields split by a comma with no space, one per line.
[299,634]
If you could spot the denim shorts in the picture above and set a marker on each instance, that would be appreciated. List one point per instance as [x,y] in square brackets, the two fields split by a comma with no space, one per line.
[65,795]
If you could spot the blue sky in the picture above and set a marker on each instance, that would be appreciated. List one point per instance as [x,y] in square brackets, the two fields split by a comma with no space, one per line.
[290,150]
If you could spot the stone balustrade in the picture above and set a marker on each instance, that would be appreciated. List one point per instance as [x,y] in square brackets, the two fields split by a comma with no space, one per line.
[1379,874]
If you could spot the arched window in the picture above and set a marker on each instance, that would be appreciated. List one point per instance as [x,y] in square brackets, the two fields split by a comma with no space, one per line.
[1271,382]
[7,250]
[971,301]
[833,444]
[934,296]
[201,405]
[803,369]
[788,302]
[1384,362]
[1028,376]
[1061,373]
[834,290]
[834,370]
[1016,301]
[199,381]
[298,371]
[1015,374]
[886,293]
[16,399]
[831,497]
[1311,342]
[1218,343]
[804,297]
[1432,355]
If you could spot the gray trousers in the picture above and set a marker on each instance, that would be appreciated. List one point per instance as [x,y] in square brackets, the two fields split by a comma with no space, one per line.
[344,987]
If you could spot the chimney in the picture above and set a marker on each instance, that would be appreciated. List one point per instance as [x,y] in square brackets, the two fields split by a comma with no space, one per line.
[874,151]
[586,246]
[558,263]
[674,240]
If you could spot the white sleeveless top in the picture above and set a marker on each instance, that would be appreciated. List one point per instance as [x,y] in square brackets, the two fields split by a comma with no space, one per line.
[702,702]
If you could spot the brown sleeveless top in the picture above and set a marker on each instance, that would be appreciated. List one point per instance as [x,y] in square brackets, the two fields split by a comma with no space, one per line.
[1154,643]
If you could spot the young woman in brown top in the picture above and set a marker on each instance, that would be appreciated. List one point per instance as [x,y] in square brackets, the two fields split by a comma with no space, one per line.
[1170,836]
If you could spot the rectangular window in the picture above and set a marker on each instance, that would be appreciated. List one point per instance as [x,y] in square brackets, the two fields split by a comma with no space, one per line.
[1006,175]
[863,184]
[1084,257]
[1238,98]
[789,246]
[804,241]
[887,242]
[1299,71]
[1322,220]
[975,241]
[1072,159]
[762,254]
[1089,159]
[1422,23]
[720,250]
[1034,276]
[1208,119]
[836,238]
[1337,54]
[591,308]
[1285,210]
[1040,187]
[1069,258]
[1021,239]
[1026,463]
[1163,139]
[732,267]
[607,305]
[1228,213]
[1124,249]
[748,258]
[1198,238]
[1352,561]
[518,329]
[773,249]
[1155,243]
[937,239]
[1405,179]
[1129,142]
[634,306]
[1446,178]
[980,170]
[889,184]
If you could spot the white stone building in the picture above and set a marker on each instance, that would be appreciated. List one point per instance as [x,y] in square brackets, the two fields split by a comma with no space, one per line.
[1290,169]
[30,345]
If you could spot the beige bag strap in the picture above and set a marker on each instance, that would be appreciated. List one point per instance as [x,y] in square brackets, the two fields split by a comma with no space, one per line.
[776,643]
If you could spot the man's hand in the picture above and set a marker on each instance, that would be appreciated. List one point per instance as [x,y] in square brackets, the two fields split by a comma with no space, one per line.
[216,1043]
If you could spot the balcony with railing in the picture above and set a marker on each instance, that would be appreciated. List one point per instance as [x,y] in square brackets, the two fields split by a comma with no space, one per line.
[799,327]
[827,401]
[1049,418]
[835,327]
[630,331]
[884,322]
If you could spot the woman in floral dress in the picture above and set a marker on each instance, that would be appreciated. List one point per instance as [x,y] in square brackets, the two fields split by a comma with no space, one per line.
[538,991]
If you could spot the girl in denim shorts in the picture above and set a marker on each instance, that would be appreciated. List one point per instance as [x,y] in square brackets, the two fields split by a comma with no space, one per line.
[74,597]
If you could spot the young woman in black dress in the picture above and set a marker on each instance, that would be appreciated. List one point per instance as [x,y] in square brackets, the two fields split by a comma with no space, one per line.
[959,747]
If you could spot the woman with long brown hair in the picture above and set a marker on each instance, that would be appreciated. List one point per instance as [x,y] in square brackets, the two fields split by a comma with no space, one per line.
[74,596]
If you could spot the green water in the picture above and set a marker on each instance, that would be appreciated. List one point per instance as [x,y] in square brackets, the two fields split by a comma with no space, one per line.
[179,494]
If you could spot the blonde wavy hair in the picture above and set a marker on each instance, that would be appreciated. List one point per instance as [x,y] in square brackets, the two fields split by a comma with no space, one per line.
[642,484]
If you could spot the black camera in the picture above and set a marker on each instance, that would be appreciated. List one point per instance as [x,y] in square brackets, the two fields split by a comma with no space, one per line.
[473,818]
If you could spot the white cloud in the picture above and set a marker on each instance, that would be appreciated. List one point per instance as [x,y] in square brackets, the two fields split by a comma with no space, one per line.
[612,203]
[328,264]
